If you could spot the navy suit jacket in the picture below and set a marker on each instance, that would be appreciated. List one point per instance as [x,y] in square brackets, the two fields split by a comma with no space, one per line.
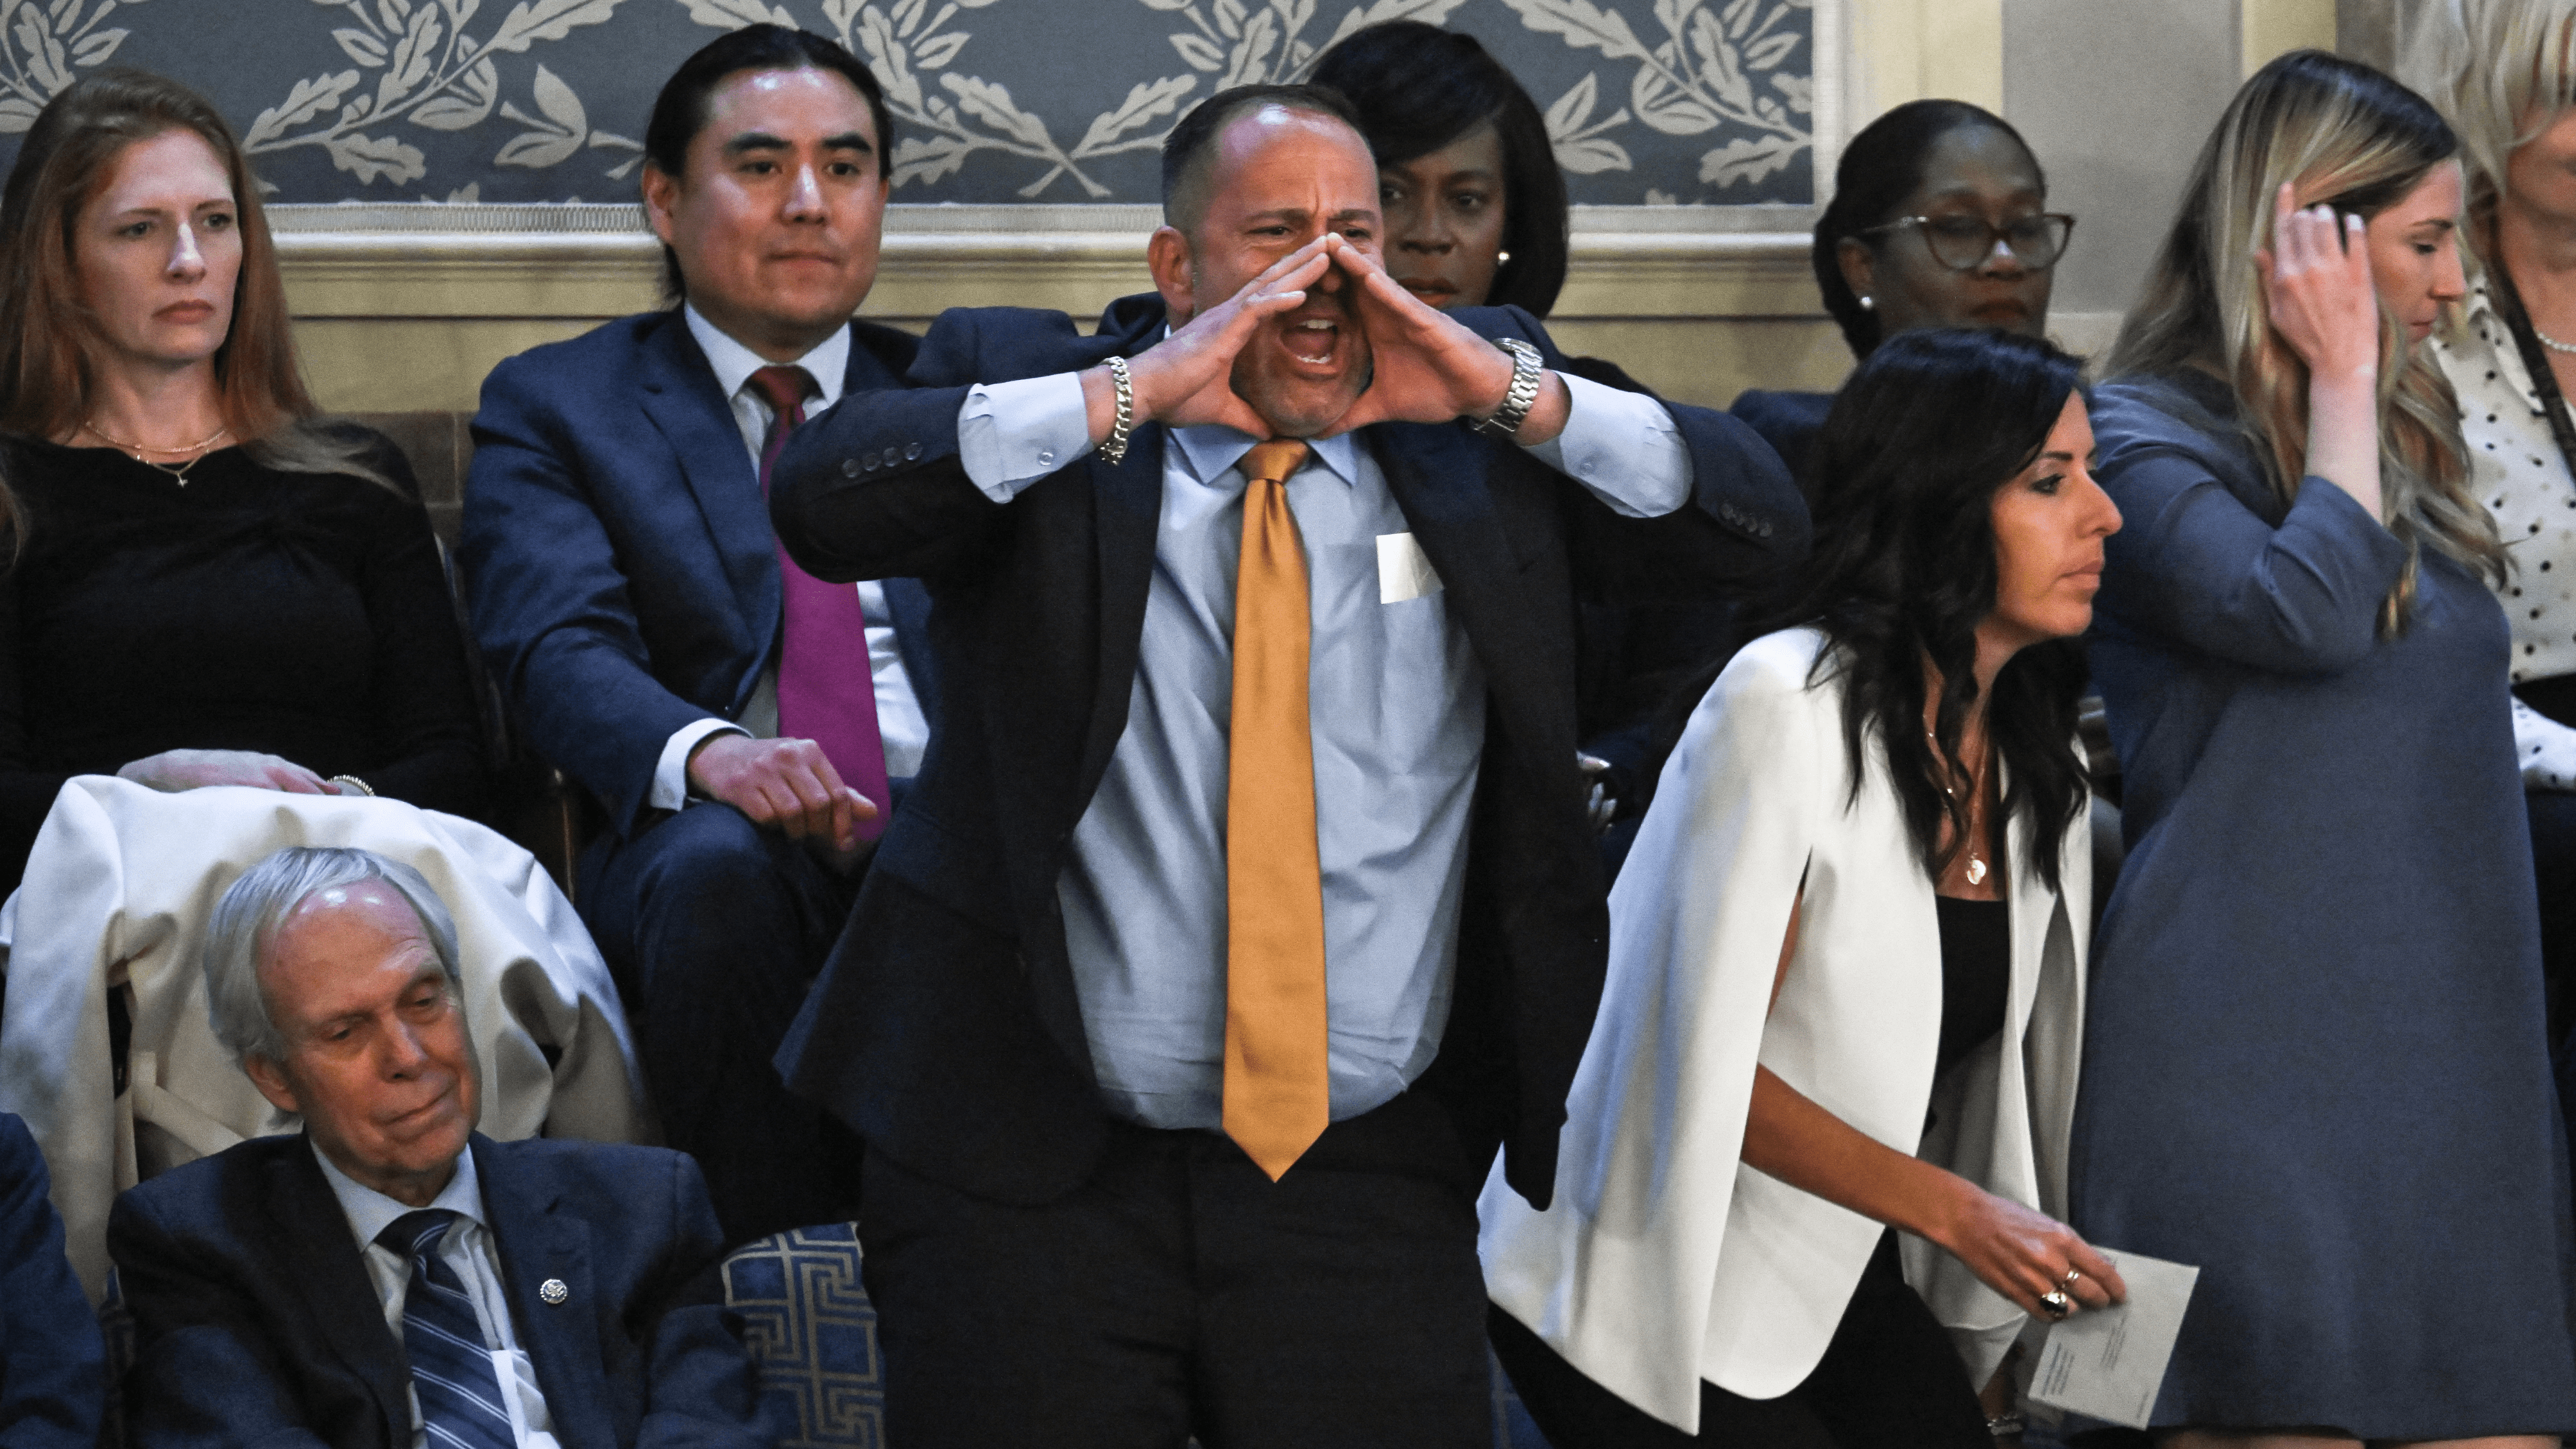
[256,1322]
[946,1028]
[53,1366]
[618,557]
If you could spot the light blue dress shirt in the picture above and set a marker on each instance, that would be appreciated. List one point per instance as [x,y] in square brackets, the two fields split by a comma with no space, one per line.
[469,1250]
[1397,703]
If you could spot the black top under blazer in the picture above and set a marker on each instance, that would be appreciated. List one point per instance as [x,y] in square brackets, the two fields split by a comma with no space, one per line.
[945,1027]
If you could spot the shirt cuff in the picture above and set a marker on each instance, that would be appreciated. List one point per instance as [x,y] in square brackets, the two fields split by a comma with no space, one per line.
[1011,434]
[1622,446]
[671,774]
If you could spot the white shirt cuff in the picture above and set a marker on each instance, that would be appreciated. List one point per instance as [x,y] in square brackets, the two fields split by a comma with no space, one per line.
[671,774]
[1623,446]
[1011,434]
[2544,748]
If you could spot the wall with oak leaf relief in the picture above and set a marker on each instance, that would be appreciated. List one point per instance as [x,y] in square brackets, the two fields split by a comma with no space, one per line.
[996,101]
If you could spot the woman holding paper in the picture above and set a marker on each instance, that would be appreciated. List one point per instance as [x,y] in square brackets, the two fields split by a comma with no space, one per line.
[1858,898]
[2314,1062]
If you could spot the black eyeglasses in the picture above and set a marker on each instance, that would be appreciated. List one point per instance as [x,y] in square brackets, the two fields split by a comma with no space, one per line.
[1962,243]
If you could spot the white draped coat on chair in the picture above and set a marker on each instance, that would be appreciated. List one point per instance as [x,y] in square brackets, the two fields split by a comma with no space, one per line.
[1664,1260]
[117,894]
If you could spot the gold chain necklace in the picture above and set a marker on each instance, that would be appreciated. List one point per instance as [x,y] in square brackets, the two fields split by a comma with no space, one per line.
[1976,800]
[177,472]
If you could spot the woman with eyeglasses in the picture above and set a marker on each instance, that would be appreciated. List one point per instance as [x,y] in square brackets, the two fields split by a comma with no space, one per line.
[2313,1059]
[1939,219]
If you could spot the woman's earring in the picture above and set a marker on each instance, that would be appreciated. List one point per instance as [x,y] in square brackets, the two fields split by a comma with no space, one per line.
[1868,303]
[1501,257]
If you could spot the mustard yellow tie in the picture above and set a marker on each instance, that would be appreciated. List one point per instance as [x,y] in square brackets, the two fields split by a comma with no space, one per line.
[1277,1093]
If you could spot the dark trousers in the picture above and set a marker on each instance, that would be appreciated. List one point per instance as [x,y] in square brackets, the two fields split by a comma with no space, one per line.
[1180,1291]
[713,929]
[1888,1380]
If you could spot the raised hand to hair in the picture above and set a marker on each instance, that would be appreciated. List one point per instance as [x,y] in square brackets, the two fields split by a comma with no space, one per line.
[2318,292]
[1188,378]
[786,784]
[1427,367]
[175,770]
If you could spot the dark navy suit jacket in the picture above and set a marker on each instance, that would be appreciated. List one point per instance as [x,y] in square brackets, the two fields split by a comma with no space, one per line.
[53,1368]
[945,1028]
[618,556]
[256,1322]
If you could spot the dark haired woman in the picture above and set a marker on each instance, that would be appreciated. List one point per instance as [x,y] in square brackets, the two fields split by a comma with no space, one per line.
[209,587]
[1858,897]
[2314,1063]
[1475,205]
[1939,219]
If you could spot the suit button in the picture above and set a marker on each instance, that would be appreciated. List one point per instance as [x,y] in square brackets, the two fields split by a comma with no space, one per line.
[1762,530]
[872,461]
[849,467]
[911,451]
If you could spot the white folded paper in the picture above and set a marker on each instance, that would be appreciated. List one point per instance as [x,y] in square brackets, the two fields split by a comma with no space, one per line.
[2108,1363]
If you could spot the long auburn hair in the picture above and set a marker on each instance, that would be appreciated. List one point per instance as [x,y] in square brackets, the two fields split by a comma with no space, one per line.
[1902,480]
[49,354]
[2344,135]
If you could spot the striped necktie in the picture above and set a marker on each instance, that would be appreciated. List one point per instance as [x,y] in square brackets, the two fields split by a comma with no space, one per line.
[1278,1089]
[451,1370]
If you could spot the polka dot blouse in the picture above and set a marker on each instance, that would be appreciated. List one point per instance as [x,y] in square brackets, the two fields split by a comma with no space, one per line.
[2520,476]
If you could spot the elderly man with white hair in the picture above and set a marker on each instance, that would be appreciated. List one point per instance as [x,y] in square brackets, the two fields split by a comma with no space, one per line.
[390,1277]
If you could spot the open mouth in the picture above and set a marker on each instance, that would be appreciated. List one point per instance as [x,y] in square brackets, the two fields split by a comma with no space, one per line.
[1312,341]
[1429,289]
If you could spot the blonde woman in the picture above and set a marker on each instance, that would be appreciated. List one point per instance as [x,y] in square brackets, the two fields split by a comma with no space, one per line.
[2503,72]
[2313,1062]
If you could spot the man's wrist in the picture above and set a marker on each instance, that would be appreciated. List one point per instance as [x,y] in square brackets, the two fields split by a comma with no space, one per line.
[1520,392]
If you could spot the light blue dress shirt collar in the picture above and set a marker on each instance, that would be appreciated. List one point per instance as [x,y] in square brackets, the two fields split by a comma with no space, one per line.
[370,1212]
[1212,450]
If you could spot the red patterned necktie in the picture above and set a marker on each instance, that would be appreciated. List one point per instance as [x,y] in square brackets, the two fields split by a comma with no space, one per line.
[826,691]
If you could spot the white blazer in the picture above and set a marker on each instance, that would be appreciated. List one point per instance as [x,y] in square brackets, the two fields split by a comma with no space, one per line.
[1664,1260]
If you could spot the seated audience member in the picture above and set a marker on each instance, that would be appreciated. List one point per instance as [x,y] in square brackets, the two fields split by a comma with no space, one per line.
[1826,967]
[1259,640]
[2313,1065]
[1939,219]
[209,587]
[1475,216]
[53,1370]
[2503,74]
[738,718]
[390,1277]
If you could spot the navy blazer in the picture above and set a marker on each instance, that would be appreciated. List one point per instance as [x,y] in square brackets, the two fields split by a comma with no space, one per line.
[946,1028]
[256,1322]
[618,558]
[53,1366]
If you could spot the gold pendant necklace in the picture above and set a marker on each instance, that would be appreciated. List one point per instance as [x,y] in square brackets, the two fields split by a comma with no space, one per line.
[1976,871]
[177,472]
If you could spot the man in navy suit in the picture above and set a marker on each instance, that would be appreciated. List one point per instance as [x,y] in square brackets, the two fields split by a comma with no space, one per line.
[389,1278]
[742,723]
[53,1369]
[1249,900]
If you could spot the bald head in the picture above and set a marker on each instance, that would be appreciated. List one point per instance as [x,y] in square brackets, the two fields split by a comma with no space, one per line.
[1191,153]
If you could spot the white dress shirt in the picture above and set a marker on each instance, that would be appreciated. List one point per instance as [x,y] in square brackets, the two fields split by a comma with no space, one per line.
[2516,471]
[900,723]
[468,1249]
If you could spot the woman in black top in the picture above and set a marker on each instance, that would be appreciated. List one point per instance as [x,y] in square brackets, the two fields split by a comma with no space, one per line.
[208,587]
[1939,219]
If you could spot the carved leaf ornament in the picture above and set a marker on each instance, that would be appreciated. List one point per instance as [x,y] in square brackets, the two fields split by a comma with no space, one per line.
[1737,72]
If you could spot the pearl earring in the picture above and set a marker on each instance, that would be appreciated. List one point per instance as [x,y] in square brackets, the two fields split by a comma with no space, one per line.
[1501,257]
[1868,304]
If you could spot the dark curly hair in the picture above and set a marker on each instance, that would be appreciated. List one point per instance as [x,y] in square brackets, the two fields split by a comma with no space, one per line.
[1881,167]
[1903,479]
[1417,88]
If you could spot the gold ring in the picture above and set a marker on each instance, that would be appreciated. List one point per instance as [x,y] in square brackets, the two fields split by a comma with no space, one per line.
[2069,1280]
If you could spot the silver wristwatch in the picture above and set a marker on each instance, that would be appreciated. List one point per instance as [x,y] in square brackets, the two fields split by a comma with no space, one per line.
[1523,393]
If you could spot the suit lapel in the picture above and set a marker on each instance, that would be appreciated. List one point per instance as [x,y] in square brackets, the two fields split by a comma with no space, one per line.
[312,1237]
[1438,474]
[538,1244]
[681,399]
[1127,514]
